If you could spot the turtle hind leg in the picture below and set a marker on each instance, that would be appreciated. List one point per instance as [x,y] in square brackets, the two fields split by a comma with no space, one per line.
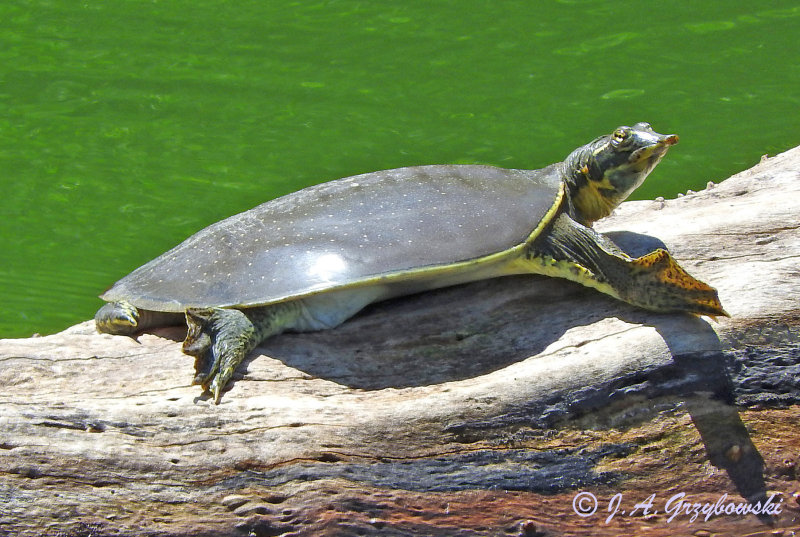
[221,338]
[124,319]
[654,281]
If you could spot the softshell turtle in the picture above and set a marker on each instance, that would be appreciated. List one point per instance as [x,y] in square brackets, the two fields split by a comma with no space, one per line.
[312,259]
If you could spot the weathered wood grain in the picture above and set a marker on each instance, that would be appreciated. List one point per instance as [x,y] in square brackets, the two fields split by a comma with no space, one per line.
[476,410]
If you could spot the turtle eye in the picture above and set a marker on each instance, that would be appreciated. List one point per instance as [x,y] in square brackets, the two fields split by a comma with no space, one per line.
[621,135]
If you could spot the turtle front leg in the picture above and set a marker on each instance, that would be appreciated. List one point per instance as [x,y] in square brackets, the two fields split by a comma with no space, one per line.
[221,338]
[654,281]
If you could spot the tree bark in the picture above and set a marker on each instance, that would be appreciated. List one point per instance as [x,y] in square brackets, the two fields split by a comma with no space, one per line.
[496,408]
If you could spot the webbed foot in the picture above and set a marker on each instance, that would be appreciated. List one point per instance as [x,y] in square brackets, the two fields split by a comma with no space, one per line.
[659,283]
[219,339]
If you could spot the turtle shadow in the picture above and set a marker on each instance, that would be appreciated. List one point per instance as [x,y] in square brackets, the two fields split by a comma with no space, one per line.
[440,336]
[176,333]
[697,378]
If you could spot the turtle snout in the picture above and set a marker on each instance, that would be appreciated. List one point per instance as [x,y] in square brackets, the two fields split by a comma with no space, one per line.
[671,139]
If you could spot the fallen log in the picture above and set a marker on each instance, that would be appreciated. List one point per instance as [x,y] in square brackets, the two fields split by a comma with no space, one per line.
[507,407]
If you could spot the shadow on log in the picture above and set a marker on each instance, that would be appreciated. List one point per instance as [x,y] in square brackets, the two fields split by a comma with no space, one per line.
[502,407]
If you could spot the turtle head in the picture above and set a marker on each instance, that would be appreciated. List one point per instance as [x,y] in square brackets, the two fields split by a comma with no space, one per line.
[604,172]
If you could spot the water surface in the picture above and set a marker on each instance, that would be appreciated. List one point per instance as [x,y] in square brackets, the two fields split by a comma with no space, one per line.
[129,125]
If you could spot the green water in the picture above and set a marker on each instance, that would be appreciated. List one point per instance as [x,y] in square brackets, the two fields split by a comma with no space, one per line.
[128,125]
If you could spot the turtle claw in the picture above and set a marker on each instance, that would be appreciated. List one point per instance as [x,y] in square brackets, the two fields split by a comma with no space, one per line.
[219,339]
[715,317]
[216,391]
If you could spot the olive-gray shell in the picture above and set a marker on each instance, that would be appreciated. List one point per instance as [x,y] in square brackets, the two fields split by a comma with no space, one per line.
[341,232]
